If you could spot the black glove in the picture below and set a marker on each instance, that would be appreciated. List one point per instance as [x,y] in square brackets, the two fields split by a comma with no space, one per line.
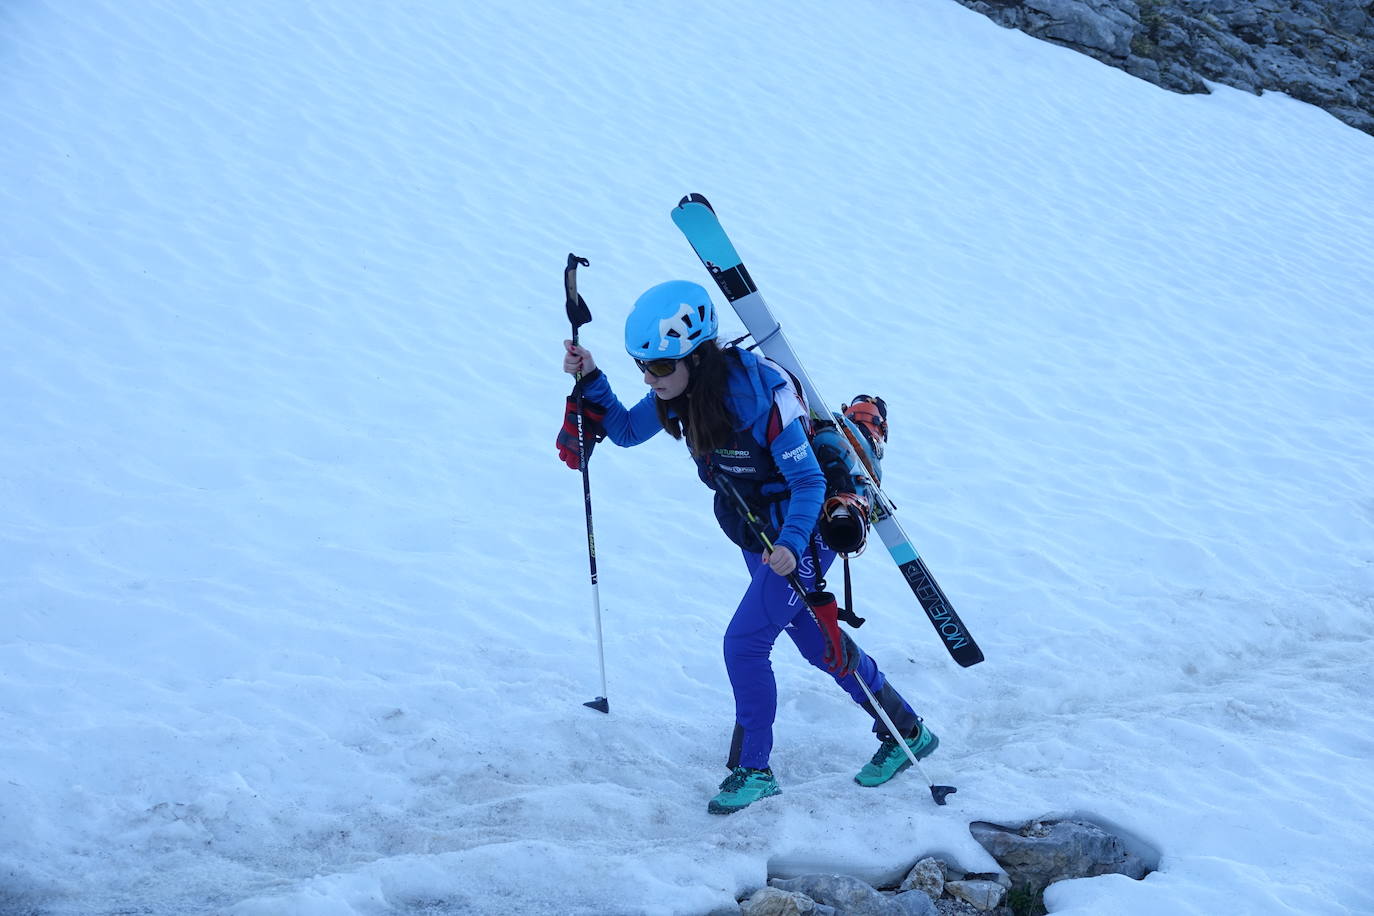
[593,430]
[841,654]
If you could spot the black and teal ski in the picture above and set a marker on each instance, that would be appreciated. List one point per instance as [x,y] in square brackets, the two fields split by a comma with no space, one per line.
[698,222]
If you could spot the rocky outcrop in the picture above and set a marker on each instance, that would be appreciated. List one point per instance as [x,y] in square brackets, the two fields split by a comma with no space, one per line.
[851,897]
[922,894]
[1043,851]
[1034,855]
[1319,51]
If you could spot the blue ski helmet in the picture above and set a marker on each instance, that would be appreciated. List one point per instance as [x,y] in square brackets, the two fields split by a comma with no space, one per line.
[670,320]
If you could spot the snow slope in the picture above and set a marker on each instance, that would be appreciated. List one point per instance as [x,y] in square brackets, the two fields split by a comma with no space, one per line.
[295,608]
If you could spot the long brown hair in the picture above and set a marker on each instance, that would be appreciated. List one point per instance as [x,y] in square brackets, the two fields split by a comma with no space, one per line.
[700,412]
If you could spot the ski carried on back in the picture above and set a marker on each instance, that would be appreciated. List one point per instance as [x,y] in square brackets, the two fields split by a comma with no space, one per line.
[698,222]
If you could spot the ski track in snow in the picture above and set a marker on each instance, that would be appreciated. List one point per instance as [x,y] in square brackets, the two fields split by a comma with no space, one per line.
[297,618]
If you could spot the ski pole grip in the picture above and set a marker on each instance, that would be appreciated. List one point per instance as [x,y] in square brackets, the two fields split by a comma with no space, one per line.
[578,313]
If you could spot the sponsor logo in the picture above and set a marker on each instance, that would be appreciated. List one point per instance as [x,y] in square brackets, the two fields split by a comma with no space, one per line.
[796,454]
[737,469]
[805,569]
[732,452]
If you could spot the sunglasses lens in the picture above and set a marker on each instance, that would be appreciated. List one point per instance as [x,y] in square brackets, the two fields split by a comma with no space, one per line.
[658,368]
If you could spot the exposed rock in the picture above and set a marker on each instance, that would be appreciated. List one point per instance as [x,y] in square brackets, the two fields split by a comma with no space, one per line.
[1318,51]
[846,894]
[1036,855]
[948,906]
[772,901]
[998,877]
[927,876]
[984,895]
[1095,24]
[952,872]
[1042,852]
[914,903]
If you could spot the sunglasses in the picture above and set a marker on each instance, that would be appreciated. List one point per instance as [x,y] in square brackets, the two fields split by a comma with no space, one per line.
[658,368]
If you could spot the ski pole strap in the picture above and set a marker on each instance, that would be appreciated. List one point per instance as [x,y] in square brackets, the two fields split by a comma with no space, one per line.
[847,612]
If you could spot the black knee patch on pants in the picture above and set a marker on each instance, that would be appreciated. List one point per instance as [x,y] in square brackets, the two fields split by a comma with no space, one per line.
[736,745]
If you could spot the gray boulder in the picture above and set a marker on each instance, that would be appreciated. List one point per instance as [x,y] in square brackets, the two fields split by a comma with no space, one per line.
[983,895]
[914,903]
[927,876]
[773,901]
[1045,851]
[849,896]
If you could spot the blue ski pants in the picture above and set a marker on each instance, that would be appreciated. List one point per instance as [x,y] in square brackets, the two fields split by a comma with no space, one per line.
[770,607]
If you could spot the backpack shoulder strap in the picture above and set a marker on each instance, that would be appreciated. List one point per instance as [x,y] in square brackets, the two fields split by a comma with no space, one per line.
[796,392]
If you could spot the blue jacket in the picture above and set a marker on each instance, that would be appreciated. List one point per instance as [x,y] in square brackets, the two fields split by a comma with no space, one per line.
[770,461]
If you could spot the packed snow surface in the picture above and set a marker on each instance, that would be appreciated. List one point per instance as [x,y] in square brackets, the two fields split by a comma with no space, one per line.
[296,612]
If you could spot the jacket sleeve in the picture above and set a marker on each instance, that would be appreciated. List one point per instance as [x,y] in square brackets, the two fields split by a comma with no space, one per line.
[624,426]
[792,453]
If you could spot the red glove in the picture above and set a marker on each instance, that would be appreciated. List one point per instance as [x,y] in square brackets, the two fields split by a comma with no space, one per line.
[593,431]
[841,654]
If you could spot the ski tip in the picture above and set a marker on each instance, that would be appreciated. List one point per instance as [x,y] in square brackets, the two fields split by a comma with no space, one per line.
[969,659]
[940,793]
[600,705]
[695,199]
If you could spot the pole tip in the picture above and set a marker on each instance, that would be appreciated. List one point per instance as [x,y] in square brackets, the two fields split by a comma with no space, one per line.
[939,793]
[600,705]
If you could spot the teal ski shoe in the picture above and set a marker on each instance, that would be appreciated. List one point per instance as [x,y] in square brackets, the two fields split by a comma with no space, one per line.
[891,759]
[742,788]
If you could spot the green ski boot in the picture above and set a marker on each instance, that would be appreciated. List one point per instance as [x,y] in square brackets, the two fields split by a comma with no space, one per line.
[742,788]
[891,759]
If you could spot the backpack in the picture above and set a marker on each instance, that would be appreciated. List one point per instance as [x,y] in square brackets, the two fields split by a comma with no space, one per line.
[849,503]
[850,478]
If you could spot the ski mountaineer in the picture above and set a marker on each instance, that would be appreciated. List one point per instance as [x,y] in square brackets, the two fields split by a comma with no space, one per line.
[742,419]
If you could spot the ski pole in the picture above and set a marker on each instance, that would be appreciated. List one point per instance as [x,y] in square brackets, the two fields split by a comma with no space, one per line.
[938,793]
[578,315]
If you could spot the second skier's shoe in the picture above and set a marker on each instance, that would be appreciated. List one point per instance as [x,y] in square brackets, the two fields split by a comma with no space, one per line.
[742,788]
[891,759]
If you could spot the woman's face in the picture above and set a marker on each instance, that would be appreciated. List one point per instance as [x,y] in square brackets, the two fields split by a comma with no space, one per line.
[668,387]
